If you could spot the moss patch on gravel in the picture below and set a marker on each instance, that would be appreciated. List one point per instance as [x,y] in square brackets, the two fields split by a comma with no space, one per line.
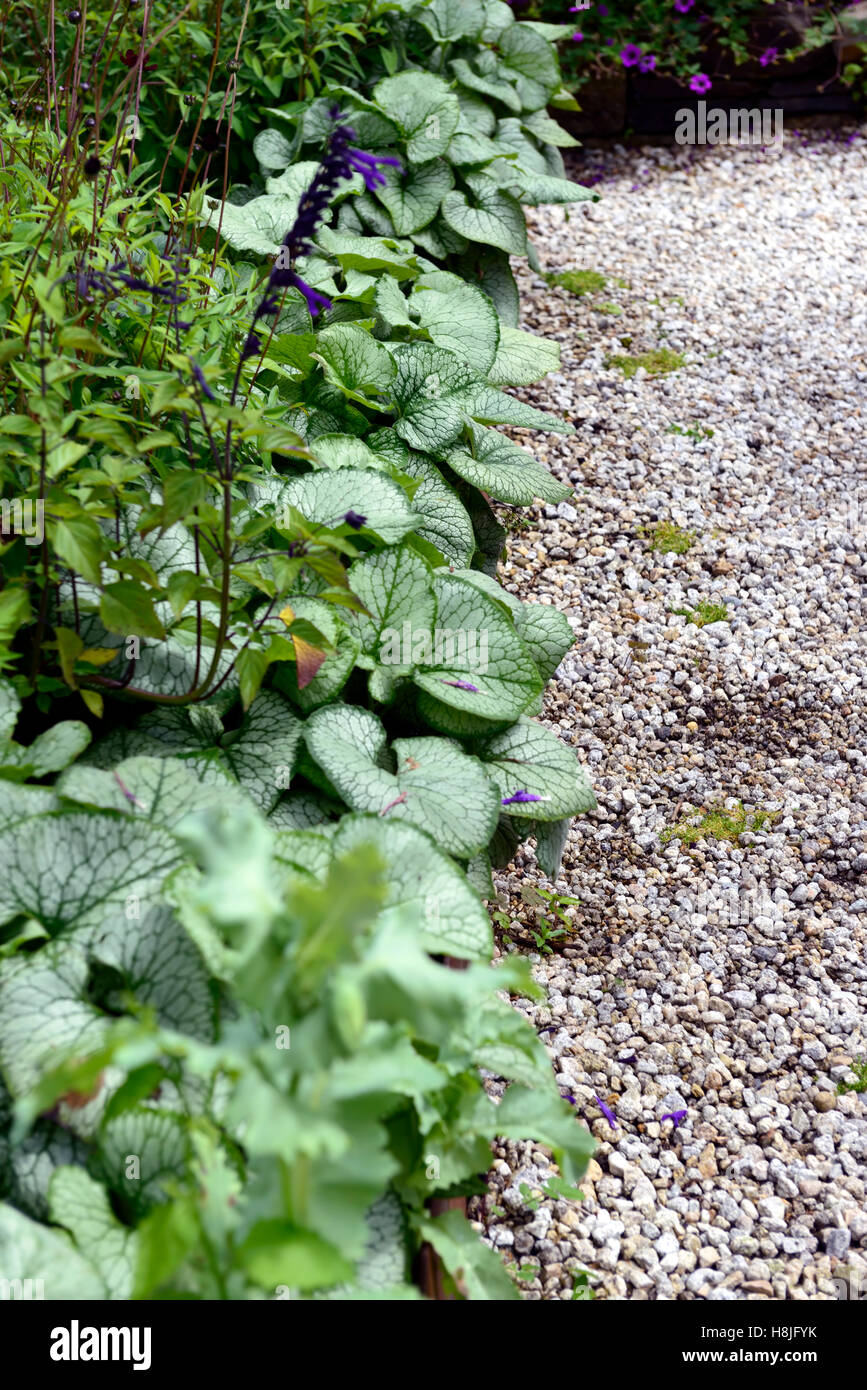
[704,613]
[578,282]
[668,538]
[656,362]
[717,823]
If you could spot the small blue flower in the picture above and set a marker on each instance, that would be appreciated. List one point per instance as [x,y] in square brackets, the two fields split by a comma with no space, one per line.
[521,796]
[677,1117]
[354,520]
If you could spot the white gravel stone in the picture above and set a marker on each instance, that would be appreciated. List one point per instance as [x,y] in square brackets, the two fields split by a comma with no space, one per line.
[725,977]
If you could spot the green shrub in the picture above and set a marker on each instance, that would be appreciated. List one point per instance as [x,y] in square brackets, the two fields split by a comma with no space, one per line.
[266,715]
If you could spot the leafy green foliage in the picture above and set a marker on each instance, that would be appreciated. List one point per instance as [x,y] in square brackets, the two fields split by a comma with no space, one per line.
[262,698]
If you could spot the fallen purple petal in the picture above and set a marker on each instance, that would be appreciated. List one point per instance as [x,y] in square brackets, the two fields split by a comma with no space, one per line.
[609,1114]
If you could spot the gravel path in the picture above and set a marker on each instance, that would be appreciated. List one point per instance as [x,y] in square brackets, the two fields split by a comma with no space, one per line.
[724,978]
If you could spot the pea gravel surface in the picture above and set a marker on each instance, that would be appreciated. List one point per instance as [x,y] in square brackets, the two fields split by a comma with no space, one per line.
[717,975]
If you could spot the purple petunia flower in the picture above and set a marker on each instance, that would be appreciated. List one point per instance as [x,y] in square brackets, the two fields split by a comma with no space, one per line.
[520,797]
[461,685]
[700,83]
[647,63]
[677,1117]
[609,1114]
[630,55]
[683,6]
[355,520]
[770,55]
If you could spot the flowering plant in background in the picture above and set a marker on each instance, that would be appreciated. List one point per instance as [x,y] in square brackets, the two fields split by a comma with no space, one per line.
[674,37]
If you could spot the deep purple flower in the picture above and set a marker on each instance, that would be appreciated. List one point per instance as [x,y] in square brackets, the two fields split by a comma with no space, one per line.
[200,378]
[602,10]
[461,685]
[700,83]
[647,63]
[567,1095]
[630,55]
[770,55]
[520,797]
[578,38]
[609,1114]
[315,300]
[355,520]
[677,1117]
[252,346]
[341,161]
[683,6]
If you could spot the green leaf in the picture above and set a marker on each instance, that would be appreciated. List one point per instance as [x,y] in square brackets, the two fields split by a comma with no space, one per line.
[528,757]
[49,752]
[532,60]
[272,150]
[367,253]
[522,358]
[79,543]
[82,1207]
[490,84]
[338,665]
[257,757]
[551,837]
[494,217]
[67,866]
[431,780]
[396,589]
[430,390]
[443,518]
[354,361]
[476,644]
[504,470]
[413,199]
[540,124]
[391,304]
[547,633]
[423,108]
[492,407]
[459,317]
[279,1253]
[126,607]
[324,498]
[477,1271]
[450,20]
[45,1013]
[32,1252]
[424,883]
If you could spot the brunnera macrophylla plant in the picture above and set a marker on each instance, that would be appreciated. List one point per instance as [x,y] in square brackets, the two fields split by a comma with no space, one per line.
[266,721]
[232,1069]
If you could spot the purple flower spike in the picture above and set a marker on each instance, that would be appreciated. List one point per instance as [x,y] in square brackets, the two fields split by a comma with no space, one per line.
[700,83]
[355,520]
[367,165]
[630,55]
[609,1114]
[677,1117]
[200,378]
[315,300]
[462,685]
[520,797]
